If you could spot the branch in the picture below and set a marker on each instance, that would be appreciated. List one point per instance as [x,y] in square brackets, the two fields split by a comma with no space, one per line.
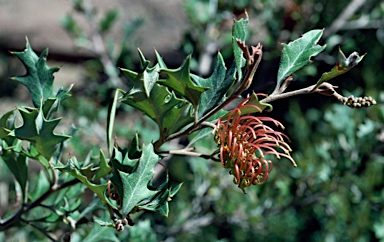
[326,89]
[16,217]
[278,96]
[188,152]
[39,229]
[252,64]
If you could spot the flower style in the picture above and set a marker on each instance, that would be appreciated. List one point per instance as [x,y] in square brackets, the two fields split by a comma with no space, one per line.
[245,140]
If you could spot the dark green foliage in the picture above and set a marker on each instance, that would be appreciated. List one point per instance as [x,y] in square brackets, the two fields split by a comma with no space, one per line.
[335,193]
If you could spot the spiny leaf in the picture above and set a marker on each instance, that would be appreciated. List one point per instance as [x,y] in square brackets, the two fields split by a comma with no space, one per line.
[159,202]
[39,131]
[156,101]
[218,84]
[104,168]
[298,53]
[342,66]
[7,122]
[179,81]
[121,161]
[39,77]
[135,185]
[238,33]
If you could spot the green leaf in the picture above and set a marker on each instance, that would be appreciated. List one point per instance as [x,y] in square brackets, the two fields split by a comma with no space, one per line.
[121,161]
[39,131]
[134,148]
[135,185]
[104,168]
[73,168]
[6,124]
[239,32]
[218,84]
[342,66]
[39,77]
[156,101]
[178,118]
[179,80]
[159,202]
[297,54]
[160,61]
[18,165]
[254,100]
[111,120]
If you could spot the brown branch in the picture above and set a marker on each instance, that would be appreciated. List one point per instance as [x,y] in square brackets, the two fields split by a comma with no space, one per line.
[275,97]
[188,152]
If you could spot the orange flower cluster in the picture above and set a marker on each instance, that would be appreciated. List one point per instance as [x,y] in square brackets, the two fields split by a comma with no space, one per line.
[245,140]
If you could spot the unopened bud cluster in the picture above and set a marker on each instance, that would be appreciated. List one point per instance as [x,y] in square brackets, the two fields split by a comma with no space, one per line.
[358,102]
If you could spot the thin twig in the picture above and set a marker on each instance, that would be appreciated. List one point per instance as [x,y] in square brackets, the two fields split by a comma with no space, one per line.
[188,152]
[275,97]
[14,218]
[39,229]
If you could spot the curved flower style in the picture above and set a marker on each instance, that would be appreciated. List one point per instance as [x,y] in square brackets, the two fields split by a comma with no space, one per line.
[245,140]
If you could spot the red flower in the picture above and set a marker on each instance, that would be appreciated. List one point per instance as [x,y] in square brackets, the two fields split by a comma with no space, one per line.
[245,140]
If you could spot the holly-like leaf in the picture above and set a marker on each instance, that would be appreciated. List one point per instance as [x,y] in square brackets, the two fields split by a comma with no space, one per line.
[218,84]
[342,66]
[156,101]
[7,122]
[179,81]
[121,161]
[134,148]
[238,33]
[104,168]
[135,184]
[39,77]
[39,131]
[298,53]
[159,202]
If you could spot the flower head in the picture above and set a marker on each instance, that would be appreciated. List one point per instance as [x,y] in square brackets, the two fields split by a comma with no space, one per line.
[244,140]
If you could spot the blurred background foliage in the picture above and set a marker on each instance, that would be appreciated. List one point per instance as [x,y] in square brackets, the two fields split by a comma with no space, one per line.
[337,191]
